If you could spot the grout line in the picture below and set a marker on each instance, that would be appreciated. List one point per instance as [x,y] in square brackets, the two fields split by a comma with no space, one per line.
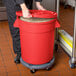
[10,49]
[4,63]
[68,68]
[15,71]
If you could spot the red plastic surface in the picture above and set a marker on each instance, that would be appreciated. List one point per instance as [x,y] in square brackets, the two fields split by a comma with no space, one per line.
[37,39]
[40,14]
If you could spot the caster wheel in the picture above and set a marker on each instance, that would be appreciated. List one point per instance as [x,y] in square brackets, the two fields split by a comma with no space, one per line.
[48,69]
[33,71]
[72,65]
[56,47]
[17,61]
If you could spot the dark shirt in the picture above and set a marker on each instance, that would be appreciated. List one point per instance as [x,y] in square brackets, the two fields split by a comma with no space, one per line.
[15,3]
[26,1]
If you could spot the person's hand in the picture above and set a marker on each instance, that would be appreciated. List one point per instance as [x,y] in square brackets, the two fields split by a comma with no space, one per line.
[25,11]
[39,6]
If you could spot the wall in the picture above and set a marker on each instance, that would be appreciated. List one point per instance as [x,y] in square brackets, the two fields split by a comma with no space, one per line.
[48,4]
[3,14]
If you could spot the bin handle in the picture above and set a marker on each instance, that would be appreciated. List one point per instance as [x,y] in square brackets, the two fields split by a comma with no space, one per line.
[16,23]
[57,24]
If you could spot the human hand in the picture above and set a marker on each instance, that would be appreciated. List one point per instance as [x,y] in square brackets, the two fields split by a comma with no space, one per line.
[25,11]
[39,6]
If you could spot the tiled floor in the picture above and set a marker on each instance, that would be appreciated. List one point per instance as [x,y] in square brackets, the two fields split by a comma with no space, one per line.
[9,68]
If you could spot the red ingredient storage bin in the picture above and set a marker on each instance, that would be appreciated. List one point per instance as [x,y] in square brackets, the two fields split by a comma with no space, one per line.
[37,38]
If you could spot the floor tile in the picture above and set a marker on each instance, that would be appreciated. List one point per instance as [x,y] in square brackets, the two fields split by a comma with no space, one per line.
[2,69]
[26,73]
[14,73]
[66,73]
[3,74]
[1,63]
[6,52]
[21,67]
[12,68]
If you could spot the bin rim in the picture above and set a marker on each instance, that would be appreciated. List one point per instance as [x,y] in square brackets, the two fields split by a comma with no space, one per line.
[37,13]
[38,23]
[40,13]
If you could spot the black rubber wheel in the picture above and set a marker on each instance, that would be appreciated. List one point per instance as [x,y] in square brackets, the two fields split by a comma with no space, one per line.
[17,61]
[72,66]
[33,71]
[48,69]
[56,47]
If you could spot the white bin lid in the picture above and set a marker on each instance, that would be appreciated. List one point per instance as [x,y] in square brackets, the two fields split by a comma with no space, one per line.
[34,20]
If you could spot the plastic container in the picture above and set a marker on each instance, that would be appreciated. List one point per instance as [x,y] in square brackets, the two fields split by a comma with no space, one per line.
[37,36]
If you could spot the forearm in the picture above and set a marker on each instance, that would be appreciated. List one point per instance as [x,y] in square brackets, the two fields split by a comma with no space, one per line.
[39,6]
[23,6]
[38,2]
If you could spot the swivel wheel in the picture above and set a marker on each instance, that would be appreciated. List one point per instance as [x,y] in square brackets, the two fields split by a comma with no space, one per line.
[17,61]
[72,65]
[33,71]
[48,69]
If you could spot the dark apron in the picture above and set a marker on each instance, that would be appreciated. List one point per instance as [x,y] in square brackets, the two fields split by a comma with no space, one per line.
[12,7]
